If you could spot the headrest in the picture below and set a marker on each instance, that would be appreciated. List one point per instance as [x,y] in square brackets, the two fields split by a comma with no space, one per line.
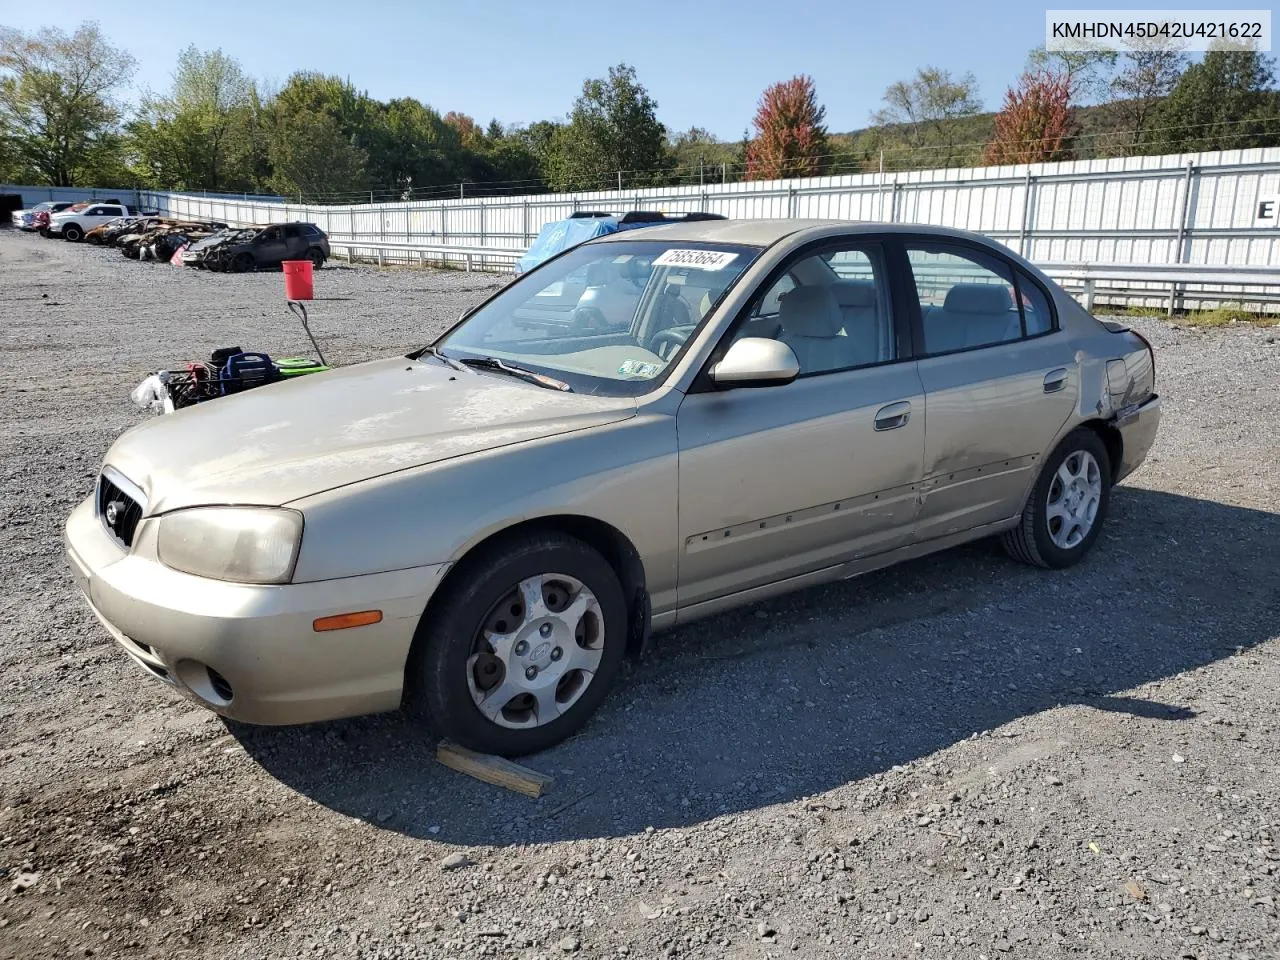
[598,273]
[854,293]
[978,298]
[810,312]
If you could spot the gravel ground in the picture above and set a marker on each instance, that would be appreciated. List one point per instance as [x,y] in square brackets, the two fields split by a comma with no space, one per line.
[959,757]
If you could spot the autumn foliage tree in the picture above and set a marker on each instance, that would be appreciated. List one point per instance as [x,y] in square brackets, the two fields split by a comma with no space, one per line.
[790,139]
[1035,123]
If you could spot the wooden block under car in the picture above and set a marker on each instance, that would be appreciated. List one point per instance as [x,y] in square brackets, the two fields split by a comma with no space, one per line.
[496,770]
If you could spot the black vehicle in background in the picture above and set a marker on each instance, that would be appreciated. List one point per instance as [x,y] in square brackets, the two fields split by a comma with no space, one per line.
[267,245]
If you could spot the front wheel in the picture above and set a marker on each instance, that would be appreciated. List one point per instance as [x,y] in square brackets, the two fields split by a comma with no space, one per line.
[523,646]
[1066,509]
[72,233]
[242,263]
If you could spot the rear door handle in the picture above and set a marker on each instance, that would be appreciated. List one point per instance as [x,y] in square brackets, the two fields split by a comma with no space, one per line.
[1055,380]
[893,416]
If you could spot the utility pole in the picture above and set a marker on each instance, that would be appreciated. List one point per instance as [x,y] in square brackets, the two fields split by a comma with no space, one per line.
[701,182]
[462,190]
[724,173]
[619,181]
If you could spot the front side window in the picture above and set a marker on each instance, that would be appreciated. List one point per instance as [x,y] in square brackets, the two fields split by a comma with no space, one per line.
[605,318]
[831,308]
[967,298]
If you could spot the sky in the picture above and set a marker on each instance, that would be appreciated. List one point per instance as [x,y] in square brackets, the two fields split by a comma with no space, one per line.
[704,62]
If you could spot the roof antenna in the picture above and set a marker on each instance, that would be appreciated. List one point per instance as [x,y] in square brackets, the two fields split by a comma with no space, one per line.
[300,311]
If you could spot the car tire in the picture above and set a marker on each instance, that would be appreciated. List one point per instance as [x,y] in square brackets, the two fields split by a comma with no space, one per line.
[243,263]
[458,664]
[1068,505]
[72,234]
[316,256]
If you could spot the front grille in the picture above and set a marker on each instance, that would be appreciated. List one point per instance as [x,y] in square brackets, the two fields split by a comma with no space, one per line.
[119,511]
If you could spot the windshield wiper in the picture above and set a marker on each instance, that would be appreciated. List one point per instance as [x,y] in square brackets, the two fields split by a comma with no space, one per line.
[493,363]
[439,355]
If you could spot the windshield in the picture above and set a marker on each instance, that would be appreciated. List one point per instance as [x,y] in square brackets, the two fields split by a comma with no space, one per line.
[605,318]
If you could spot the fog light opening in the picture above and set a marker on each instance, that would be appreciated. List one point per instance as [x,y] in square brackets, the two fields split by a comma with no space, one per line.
[205,682]
[221,686]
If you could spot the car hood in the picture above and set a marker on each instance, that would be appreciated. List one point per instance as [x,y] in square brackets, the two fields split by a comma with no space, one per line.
[274,444]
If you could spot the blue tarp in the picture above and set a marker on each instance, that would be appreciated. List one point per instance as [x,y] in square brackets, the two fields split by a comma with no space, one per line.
[561,235]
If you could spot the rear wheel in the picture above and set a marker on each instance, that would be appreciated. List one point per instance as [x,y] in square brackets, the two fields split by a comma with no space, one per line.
[242,263]
[1066,509]
[72,233]
[523,647]
[316,256]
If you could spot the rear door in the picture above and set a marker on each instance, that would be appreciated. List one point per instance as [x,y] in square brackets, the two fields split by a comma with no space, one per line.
[999,379]
[295,242]
[780,481]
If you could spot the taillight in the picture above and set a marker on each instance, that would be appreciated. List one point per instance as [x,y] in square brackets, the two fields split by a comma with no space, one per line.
[1151,351]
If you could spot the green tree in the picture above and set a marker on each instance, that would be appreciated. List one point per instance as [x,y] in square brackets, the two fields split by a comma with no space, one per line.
[613,128]
[1225,102]
[924,117]
[57,108]
[194,137]
[697,153]
[1147,75]
[1087,72]
[311,156]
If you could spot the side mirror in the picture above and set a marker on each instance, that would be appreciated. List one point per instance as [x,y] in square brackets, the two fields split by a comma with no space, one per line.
[756,362]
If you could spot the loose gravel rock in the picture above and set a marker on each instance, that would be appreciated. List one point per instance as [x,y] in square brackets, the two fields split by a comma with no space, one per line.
[958,757]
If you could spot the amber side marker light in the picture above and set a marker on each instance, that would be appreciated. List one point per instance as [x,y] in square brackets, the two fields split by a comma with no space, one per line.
[342,621]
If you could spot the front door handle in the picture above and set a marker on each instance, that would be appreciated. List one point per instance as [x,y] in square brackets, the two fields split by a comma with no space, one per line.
[893,416]
[1055,380]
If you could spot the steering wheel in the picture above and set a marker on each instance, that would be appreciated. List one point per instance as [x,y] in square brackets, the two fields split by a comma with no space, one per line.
[672,338]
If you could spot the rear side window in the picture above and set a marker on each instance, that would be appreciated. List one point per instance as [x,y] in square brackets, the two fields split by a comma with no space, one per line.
[292,231]
[967,299]
[1036,314]
[311,230]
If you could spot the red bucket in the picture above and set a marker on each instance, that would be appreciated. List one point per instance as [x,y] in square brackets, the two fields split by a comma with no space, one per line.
[297,280]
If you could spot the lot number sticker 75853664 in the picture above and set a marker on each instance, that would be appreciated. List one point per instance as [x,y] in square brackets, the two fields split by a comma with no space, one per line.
[698,259]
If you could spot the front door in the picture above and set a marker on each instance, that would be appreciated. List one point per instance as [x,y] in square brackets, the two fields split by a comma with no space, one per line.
[781,481]
[999,378]
[269,249]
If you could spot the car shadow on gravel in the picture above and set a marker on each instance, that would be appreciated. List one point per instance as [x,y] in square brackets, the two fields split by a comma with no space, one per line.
[823,688]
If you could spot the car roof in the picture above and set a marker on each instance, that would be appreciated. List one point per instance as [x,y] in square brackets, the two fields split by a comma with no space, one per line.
[764,232]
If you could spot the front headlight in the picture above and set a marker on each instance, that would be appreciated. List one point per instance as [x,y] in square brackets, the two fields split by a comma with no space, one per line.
[241,544]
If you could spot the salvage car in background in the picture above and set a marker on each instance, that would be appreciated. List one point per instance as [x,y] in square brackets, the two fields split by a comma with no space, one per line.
[487,526]
[27,219]
[264,245]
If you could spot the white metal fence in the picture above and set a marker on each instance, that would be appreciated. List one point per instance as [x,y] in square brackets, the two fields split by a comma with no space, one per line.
[1206,209]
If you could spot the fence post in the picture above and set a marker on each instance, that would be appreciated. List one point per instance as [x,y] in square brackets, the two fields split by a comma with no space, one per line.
[893,202]
[1089,284]
[1182,231]
[524,219]
[1024,233]
[791,201]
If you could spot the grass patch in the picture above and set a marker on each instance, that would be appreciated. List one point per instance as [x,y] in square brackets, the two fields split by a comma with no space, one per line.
[1226,315]
[1223,316]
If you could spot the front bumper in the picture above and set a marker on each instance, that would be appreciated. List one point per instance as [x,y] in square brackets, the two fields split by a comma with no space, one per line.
[1137,426]
[258,641]
[54,228]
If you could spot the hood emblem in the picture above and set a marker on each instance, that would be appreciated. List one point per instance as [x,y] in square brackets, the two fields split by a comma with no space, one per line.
[115,510]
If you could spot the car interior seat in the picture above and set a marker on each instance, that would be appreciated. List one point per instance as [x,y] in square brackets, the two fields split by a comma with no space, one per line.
[973,314]
[863,323]
[812,327]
